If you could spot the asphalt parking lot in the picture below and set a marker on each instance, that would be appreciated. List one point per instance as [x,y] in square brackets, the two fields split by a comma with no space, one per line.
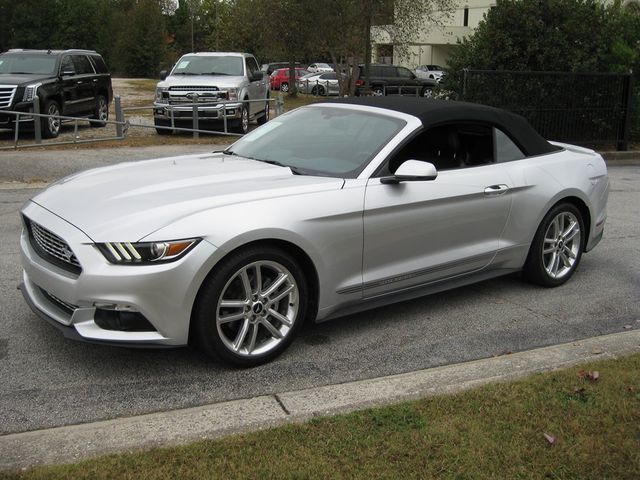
[50,381]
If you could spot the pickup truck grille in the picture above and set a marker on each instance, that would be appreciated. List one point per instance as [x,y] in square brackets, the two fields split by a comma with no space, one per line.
[181,95]
[6,95]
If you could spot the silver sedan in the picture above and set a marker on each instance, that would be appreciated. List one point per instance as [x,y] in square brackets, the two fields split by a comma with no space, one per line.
[322,83]
[327,210]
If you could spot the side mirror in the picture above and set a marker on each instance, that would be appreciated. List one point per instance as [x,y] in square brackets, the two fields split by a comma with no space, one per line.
[163,75]
[412,171]
[256,76]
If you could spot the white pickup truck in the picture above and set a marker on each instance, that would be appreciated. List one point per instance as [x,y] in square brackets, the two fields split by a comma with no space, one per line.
[222,84]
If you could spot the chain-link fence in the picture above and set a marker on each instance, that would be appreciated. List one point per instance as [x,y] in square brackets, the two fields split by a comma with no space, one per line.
[583,108]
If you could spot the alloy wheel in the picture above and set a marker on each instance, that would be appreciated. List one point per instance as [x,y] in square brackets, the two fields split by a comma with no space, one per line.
[562,243]
[257,308]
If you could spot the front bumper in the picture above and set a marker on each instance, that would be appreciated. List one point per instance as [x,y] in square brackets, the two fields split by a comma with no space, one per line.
[8,120]
[163,111]
[163,294]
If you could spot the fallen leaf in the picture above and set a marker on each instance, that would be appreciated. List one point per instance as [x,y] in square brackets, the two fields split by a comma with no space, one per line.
[578,390]
[581,374]
[596,351]
[593,376]
[550,438]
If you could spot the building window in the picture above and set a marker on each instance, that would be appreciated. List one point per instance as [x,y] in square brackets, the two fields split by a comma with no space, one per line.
[465,22]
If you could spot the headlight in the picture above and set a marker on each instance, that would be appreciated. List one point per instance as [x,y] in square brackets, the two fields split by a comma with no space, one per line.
[30,92]
[125,253]
[160,91]
[232,94]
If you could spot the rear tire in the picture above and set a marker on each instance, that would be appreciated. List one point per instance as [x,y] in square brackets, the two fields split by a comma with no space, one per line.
[101,112]
[557,247]
[265,293]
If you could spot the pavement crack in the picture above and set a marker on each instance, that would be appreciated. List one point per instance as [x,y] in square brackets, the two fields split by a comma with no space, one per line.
[284,409]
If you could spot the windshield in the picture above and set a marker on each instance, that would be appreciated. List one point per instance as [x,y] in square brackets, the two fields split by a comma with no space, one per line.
[326,140]
[20,63]
[218,65]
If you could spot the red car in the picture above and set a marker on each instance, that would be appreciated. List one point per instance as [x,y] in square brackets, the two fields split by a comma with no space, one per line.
[279,79]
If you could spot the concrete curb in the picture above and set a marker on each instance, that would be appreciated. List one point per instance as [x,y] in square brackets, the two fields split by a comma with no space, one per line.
[76,442]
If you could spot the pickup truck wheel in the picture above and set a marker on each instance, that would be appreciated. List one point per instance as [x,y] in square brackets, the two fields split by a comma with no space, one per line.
[243,125]
[377,91]
[162,123]
[264,118]
[101,112]
[51,124]
[284,87]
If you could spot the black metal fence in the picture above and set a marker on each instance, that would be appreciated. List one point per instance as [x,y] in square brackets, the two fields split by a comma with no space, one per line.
[583,108]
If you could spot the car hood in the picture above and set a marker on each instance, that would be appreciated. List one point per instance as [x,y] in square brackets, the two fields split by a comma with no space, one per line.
[20,80]
[220,81]
[128,201]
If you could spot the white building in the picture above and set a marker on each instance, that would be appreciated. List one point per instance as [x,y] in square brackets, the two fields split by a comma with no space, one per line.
[434,45]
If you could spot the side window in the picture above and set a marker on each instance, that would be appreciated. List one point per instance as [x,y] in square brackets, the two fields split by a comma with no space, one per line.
[404,73]
[67,65]
[82,65]
[98,64]
[252,65]
[506,150]
[448,147]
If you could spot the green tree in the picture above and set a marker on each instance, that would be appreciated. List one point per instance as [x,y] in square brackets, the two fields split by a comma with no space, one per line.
[549,35]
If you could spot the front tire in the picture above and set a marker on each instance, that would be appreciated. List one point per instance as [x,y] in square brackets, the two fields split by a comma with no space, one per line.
[557,247]
[251,307]
[162,123]
[284,87]
[51,124]
[243,124]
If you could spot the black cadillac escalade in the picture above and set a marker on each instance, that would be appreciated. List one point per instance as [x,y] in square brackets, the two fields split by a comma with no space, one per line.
[72,83]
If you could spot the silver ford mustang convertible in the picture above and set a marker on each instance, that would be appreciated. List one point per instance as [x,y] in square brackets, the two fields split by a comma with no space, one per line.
[327,210]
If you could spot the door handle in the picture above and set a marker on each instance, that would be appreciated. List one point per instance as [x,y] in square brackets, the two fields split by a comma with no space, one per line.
[495,190]
[79,82]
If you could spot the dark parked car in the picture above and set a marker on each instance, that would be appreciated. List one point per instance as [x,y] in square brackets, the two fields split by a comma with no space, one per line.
[390,79]
[67,82]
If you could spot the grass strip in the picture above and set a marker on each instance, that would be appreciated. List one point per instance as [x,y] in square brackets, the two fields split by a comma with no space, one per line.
[579,423]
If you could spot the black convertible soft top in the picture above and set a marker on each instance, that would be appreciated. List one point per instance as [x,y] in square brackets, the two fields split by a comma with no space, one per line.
[437,112]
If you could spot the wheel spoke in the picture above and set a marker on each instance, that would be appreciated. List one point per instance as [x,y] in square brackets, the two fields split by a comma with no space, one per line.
[279,316]
[273,330]
[242,334]
[231,318]
[569,252]
[233,304]
[275,285]
[258,280]
[555,264]
[246,283]
[572,232]
[546,251]
[252,339]
[564,259]
[282,294]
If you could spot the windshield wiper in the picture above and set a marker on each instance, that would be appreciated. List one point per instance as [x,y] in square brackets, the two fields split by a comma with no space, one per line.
[217,73]
[186,73]
[295,170]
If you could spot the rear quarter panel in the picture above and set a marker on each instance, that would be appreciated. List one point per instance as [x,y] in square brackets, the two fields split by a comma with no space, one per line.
[543,181]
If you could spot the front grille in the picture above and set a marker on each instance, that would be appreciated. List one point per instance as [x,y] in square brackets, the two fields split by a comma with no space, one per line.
[52,248]
[6,95]
[182,88]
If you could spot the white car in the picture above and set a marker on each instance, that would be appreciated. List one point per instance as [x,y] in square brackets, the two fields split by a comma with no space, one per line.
[327,210]
[434,72]
[319,67]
